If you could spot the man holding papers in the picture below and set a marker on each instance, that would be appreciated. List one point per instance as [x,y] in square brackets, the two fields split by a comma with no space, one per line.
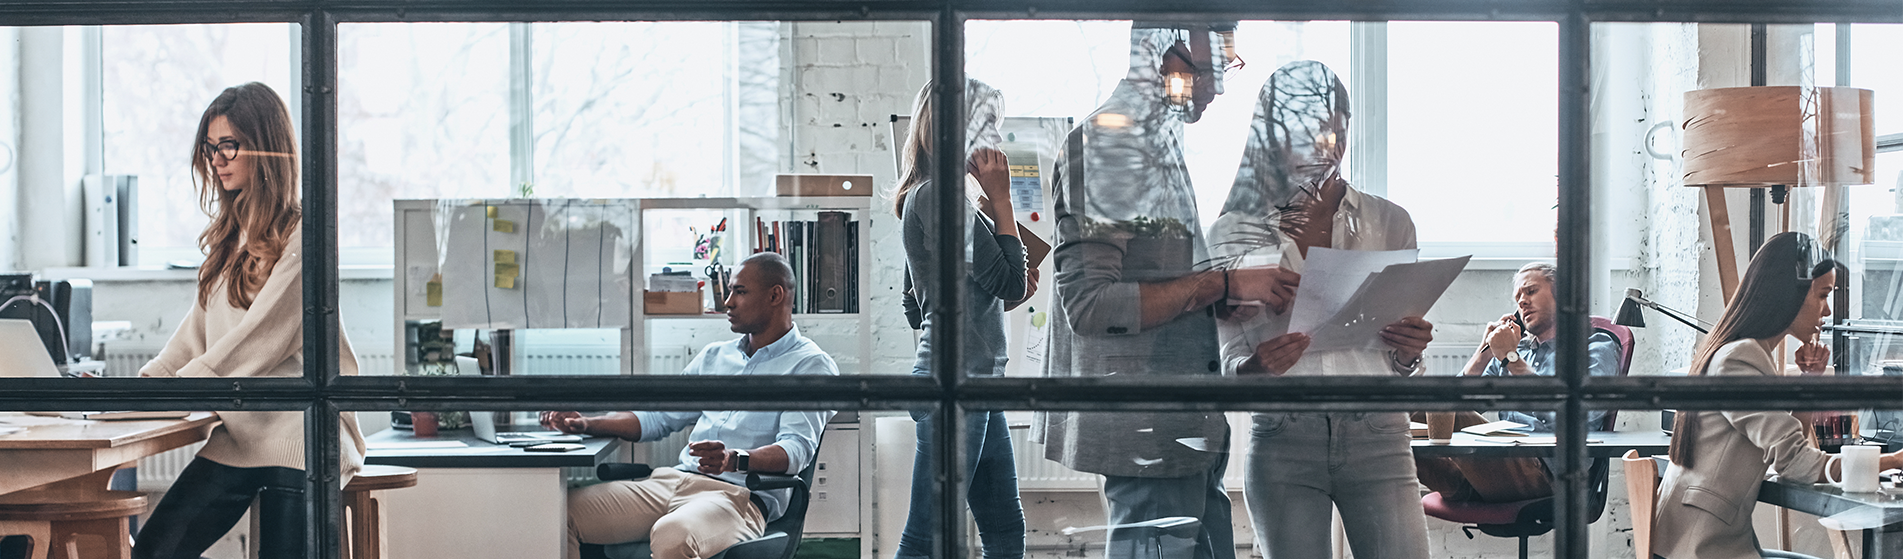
[1288,207]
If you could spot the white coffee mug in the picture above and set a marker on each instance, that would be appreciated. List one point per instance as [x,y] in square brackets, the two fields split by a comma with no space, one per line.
[1859,468]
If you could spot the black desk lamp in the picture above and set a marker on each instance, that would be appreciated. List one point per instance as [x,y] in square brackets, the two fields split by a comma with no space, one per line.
[1629,314]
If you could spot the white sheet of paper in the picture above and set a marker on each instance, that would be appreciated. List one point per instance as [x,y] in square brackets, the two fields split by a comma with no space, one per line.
[1400,291]
[1330,277]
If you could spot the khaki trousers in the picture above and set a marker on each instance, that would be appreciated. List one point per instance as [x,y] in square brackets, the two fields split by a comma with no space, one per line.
[1490,480]
[681,515]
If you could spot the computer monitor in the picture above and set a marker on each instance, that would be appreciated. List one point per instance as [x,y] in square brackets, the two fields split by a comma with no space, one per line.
[21,354]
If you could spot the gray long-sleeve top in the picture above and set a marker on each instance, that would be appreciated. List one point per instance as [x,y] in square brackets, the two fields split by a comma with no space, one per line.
[995,274]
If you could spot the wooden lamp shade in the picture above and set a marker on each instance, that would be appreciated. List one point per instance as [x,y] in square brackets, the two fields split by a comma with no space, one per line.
[1752,137]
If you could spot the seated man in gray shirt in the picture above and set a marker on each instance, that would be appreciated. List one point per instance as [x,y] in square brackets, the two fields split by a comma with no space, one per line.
[702,506]
[1507,350]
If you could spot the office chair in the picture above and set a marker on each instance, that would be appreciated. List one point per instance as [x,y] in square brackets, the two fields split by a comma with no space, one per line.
[1533,517]
[782,536]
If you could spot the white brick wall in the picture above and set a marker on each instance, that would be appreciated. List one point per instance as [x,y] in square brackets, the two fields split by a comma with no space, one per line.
[852,77]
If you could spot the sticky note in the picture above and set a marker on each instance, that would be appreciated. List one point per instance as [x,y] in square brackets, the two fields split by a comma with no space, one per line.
[492,211]
[505,257]
[507,270]
[505,282]
[435,290]
[504,226]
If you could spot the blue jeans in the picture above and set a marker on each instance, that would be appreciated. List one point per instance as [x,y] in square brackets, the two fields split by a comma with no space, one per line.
[1142,499]
[991,489]
[209,498]
[1303,465]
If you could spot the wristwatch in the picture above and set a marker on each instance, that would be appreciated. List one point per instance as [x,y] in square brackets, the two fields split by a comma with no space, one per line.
[1394,362]
[1512,357]
[740,460]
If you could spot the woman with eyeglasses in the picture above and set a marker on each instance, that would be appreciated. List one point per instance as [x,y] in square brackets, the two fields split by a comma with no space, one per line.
[1719,457]
[247,321]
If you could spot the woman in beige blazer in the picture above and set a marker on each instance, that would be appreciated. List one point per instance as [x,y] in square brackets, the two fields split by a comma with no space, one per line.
[1719,457]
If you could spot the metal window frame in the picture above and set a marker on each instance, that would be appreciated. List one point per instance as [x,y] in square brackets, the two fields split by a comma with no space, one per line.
[320,394]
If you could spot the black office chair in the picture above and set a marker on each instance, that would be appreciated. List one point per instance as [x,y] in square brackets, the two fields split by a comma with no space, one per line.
[782,536]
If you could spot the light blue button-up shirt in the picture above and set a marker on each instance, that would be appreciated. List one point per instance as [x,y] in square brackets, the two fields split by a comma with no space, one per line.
[797,432]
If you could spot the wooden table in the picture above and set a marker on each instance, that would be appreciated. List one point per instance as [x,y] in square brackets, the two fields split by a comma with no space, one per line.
[63,454]
[468,495]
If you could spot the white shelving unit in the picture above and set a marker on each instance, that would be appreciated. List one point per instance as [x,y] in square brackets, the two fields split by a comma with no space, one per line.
[737,244]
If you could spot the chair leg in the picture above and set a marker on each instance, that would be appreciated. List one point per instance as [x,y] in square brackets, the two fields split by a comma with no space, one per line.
[1523,547]
[114,541]
[41,534]
[363,526]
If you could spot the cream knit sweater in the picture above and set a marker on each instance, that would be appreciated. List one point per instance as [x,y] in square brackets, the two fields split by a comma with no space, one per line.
[267,340]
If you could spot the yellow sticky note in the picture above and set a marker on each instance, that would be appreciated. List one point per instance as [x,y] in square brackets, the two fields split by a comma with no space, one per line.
[505,257]
[504,226]
[491,210]
[435,294]
[507,270]
[505,282]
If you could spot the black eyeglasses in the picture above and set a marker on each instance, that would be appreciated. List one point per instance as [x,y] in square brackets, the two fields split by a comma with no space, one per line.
[227,149]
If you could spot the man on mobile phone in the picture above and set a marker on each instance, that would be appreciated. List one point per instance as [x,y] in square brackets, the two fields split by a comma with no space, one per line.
[1518,344]
[701,506]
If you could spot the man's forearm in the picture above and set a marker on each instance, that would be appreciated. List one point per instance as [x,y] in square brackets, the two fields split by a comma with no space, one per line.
[1165,300]
[620,424]
[1477,365]
[769,459]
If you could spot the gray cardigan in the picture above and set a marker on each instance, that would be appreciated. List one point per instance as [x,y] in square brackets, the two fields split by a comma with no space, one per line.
[995,274]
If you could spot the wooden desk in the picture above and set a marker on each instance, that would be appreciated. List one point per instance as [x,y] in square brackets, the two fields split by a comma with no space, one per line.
[1611,444]
[54,453]
[466,497]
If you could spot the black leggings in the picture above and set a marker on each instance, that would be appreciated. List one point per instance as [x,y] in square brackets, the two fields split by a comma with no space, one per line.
[209,498]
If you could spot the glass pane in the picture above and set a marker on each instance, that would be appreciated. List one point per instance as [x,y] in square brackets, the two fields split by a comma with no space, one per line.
[1826,475]
[167,467]
[155,80]
[480,473]
[620,207]
[1178,219]
[1679,143]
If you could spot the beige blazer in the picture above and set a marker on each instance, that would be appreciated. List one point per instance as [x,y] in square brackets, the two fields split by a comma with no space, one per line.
[1704,512]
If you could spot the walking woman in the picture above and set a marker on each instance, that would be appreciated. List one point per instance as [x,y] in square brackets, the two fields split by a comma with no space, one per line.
[995,281]
[1719,457]
[247,321]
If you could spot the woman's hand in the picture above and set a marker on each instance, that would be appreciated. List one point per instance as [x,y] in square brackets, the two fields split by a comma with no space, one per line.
[1812,357]
[1409,337]
[1275,357]
[1030,288]
[993,174]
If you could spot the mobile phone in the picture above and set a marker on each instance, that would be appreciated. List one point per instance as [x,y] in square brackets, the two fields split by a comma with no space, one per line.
[553,447]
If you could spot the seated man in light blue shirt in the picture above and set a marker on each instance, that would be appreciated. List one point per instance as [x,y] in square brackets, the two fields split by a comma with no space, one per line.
[702,506]
[1507,349]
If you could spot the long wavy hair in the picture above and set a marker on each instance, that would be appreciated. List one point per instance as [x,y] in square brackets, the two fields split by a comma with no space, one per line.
[1768,299]
[249,228]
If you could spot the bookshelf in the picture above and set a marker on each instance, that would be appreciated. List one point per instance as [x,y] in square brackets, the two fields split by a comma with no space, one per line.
[662,219]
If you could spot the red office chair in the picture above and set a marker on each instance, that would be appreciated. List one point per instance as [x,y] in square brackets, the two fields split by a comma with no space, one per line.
[1533,517]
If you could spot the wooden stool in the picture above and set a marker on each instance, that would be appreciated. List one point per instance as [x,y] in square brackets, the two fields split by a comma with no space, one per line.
[364,538]
[67,515]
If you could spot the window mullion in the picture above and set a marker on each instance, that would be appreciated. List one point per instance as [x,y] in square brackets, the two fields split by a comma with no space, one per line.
[521,106]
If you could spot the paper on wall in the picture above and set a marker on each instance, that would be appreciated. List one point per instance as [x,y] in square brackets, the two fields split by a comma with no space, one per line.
[560,264]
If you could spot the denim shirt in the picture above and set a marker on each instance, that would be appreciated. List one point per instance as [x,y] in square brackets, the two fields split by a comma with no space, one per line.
[1601,348]
[795,431]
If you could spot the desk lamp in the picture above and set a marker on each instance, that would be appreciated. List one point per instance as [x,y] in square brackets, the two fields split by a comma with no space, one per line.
[1630,316]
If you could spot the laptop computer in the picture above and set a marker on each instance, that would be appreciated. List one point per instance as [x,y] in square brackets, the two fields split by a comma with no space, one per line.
[22,354]
[484,423]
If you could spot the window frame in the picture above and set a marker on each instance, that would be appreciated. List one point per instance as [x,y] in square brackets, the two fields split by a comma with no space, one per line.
[321,393]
